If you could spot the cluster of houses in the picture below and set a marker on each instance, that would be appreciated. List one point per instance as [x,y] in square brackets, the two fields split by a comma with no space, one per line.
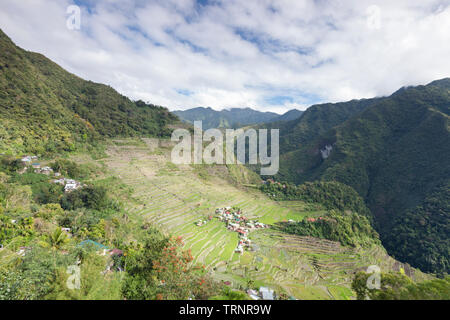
[30,161]
[47,171]
[237,222]
[243,242]
[69,184]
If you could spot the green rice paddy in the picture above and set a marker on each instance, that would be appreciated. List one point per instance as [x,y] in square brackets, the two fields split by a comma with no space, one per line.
[174,197]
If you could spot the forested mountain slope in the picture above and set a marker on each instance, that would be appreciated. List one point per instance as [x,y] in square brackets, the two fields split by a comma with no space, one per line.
[394,153]
[293,114]
[317,120]
[44,108]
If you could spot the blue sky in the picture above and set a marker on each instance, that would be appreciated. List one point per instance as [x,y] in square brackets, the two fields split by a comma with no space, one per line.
[271,55]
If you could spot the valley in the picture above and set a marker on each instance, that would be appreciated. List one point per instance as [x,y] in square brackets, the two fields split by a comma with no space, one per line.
[174,197]
[88,184]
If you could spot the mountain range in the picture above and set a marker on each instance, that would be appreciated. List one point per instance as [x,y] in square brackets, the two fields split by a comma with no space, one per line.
[394,152]
[233,118]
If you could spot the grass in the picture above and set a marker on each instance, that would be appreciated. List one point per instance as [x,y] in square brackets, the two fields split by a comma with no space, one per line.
[341,293]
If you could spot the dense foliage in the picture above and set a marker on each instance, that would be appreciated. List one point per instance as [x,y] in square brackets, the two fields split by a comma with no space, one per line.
[70,169]
[397,286]
[316,121]
[90,197]
[45,229]
[350,229]
[160,269]
[28,200]
[44,232]
[331,194]
[34,275]
[424,229]
[393,151]
[45,109]
[347,220]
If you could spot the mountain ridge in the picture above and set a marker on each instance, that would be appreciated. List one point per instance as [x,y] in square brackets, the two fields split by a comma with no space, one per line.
[393,151]
[69,110]
[233,117]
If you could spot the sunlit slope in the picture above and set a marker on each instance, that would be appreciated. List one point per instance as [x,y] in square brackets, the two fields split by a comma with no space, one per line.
[44,109]
[175,197]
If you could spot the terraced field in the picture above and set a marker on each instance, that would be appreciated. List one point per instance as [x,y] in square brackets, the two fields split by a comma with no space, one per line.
[174,197]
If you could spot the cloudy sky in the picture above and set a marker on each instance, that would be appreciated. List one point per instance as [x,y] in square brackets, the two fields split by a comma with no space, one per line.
[272,55]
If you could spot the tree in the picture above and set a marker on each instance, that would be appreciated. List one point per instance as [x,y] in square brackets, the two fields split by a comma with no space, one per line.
[159,269]
[397,286]
[57,239]
[50,211]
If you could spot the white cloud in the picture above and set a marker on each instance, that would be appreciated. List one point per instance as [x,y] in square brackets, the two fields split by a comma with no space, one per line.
[241,53]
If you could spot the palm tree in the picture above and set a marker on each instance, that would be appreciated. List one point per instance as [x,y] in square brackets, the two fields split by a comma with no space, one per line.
[57,238]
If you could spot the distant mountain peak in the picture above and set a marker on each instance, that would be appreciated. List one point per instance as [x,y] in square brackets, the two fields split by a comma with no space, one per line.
[443,83]
[233,117]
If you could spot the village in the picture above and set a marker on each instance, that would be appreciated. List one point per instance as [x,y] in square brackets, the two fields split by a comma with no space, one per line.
[31,165]
[69,184]
[236,222]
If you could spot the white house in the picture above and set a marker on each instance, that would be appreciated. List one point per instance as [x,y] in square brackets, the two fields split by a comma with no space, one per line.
[70,187]
[26,159]
[266,293]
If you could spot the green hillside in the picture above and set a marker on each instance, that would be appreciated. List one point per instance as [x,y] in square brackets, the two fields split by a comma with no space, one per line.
[141,227]
[135,190]
[290,115]
[394,153]
[44,108]
[317,120]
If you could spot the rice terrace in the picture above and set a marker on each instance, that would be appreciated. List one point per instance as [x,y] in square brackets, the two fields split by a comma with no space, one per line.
[201,152]
[176,197]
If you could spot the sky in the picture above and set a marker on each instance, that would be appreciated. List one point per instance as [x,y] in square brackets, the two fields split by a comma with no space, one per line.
[270,55]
